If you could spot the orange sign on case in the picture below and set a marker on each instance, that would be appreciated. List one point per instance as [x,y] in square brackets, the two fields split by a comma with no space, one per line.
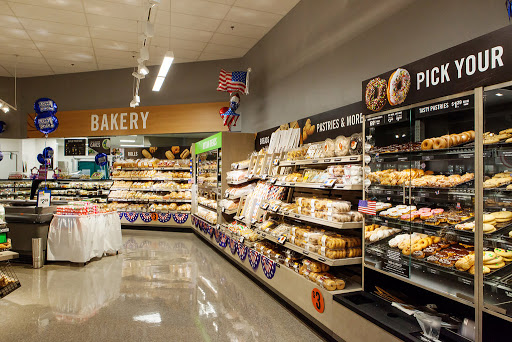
[318,300]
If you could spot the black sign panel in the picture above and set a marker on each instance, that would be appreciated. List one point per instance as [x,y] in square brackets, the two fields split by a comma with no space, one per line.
[169,152]
[483,61]
[74,147]
[386,119]
[345,121]
[450,106]
[393,263]
[99,145]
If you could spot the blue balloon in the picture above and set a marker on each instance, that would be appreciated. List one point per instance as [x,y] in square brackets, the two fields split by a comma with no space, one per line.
[3,126]
[46,123]
[40,158]
[45,105]
[48,152]
[101,159]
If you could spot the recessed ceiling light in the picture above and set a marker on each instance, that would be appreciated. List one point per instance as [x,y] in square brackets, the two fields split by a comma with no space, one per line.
[499,94]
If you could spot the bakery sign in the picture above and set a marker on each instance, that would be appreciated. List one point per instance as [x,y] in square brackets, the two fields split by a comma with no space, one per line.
[181,118]
[483,61]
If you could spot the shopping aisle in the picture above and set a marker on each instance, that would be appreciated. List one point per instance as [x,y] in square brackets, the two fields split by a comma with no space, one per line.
[164,287]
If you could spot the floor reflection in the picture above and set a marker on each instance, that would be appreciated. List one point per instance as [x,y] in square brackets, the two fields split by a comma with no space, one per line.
[163,287]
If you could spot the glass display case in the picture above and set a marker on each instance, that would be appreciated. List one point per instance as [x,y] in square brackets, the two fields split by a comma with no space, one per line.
[420,172]
[15,189]
[71,190]
[209,183]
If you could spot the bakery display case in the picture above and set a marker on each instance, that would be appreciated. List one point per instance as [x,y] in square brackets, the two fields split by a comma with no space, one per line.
[152,191]
[15,189]
[71,190]
[420,177]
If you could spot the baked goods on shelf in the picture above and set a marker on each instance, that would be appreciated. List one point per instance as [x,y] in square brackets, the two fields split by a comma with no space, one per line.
[418,178]
[240,229]
[239,191]
[406,147]
[435,217]
[375,232]
[145,195]
[210,203]
[497,180]
[503,136]
[151,163]
[208,215]
[317,273]
[448,140]
[323,208]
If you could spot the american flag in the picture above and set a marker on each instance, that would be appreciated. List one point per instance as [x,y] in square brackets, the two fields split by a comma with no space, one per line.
[234,81]
[367,207]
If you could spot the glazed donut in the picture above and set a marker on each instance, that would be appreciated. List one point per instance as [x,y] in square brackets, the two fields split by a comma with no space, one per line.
[427,144]
[465,137]
[472,134]
[406,251]
[457,138]
[453,141]
[398,86]
[423,243]
[416,247]
[439,143]
[376,94]
[447,139]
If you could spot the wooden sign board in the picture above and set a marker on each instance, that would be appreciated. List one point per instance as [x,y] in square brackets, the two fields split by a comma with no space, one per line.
[181,118]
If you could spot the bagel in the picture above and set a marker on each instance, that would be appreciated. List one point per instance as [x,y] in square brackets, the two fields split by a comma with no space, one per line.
[472,134]
[439,143]
[447,139]
[427,144]
[465,137]
[457,138]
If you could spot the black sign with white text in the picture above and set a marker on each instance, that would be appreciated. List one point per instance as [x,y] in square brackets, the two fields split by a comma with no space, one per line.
[74,147]
[483,61]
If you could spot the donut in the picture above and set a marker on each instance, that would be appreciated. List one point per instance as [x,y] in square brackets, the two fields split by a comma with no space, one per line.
[472,134]
[439,143]
[453,141]
[376,94]
[465,137]
[423,243]
[427,144]
[406,251]
[398,86]
[447,139]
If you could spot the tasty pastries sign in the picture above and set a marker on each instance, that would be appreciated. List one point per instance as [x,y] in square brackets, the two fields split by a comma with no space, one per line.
[182,118]
[483,61]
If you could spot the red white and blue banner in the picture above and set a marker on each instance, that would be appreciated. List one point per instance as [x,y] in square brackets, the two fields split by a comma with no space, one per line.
[242,251]
[223,241]
[254,259]
[268,266]
[233,245]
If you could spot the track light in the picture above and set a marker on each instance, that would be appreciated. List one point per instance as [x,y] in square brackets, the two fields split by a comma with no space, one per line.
[6,109]
[134,103]
[137,75]
[150,29]
[154,2]
[164,68]
[144,53]
[143,70]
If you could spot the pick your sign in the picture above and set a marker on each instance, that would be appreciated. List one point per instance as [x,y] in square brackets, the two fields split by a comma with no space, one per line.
[119,121]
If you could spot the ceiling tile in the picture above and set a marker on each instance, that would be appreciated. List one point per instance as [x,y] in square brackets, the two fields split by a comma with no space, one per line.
[38,36]
[67,5]
[106,66]
[20,51]
[230,40]
[5,9]
[163,42]
[50,14]
[7,42]
[157,55]
[121,36]
[51,27]
[125,62]
[72,69]
[33,73]
[115,45]
[62,63]
[183,33]
[13,33]
[112,23]
[69,55]
[10,65]
[200,8]
[225,50]
[206,56]
[243,30]
[184,60]
[225,2]
[273,6]
[55,47]
[22,59]
[187,21]
[4,72]
[252,17]
[118,54]
[10,21]
[114,10]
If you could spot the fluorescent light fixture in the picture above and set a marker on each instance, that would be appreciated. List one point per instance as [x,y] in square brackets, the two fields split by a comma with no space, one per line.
[144,53]
[143,70]
[150,29]
[499,94]
[154,2]
[123,145]
[154,318]
[1,104]
[164,68]
[137,75]
[5,109]
[126,140]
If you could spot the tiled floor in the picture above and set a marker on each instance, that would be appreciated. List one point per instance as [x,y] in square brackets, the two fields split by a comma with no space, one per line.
[163,287]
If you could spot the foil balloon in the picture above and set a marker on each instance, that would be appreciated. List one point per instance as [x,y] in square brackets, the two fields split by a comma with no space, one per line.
[508,4]
[46,123]
[101,159]
[45,105]
[223,110]
[48,153]
[3,126]
[40,158]
[234,102]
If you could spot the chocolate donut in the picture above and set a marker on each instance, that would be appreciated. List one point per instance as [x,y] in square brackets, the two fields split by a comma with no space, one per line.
[376,94]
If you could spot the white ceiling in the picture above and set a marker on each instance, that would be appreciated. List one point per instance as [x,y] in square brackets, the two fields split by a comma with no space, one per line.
[65,36]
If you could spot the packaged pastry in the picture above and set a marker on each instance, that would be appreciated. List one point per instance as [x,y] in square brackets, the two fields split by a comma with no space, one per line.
[315,266]
[328,148]
[356,144]
[341,146]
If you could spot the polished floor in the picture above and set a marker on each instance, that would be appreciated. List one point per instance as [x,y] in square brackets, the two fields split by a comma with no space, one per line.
[163,287]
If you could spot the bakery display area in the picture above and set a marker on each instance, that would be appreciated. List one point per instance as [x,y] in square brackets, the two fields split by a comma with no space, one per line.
[87,190]
[15,190]
[151,191]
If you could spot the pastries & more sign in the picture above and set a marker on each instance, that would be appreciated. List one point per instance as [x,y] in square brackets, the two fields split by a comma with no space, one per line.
[483,61]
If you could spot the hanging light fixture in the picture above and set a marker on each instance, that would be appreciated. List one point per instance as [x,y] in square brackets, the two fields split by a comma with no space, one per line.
[167,61]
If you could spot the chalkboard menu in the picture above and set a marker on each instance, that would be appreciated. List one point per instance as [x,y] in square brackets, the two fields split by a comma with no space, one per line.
[74,147]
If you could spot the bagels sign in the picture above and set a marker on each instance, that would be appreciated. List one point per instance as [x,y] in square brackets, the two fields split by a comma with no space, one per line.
[483,61]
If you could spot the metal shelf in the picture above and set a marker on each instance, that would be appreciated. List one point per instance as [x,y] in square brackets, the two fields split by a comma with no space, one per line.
[152,189]
[320,186]
[147,200]
[229,212]
[184,168]
[311,255]
[333,160]
[330,224]
[207,207]
[8,255]
[204,220]
[150,179]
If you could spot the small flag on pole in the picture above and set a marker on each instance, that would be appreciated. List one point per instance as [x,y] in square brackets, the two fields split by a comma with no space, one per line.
[367,207]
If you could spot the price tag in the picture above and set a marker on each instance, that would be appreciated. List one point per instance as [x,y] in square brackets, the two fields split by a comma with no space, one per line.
[272,180]
[241,239]
[282,239]
[253,221]
[275,208]
[241,218]
[327,160]
[264,206]
[305,252]
[276,162]
[223,209]
[43,198]
[264,177]
[330,183]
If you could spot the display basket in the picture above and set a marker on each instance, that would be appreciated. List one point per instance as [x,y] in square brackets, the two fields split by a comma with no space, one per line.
[8,279]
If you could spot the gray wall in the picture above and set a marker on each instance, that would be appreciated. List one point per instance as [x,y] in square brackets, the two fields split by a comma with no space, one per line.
[316,58]
[12,118]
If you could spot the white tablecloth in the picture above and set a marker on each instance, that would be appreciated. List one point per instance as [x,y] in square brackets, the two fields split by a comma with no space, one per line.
[80,238]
